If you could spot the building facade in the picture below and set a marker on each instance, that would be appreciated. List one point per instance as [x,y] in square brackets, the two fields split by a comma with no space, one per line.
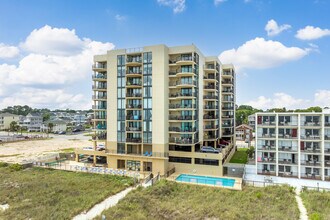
[6,119]
[32,122]
[293,145]
[156,106]
[244,133]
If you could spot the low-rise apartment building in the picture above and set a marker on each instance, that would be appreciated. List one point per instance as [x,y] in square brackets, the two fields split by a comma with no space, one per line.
[32,122]
[155,108]
[6,119]
[293,144]
[244,133]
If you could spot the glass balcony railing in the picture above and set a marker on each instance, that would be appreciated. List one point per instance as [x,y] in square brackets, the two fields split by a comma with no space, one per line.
[178,106]
[187,117]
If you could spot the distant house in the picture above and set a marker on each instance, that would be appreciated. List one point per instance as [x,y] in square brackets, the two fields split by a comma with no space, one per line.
[252,121]
[6,119]
[244,133]
[58,125]
[32,122]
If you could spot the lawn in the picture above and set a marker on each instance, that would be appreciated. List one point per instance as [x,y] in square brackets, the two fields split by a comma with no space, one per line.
[317,204]
[37,193]
[240,156]
[171,200]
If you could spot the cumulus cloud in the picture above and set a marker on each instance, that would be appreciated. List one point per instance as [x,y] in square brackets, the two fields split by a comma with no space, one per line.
[322,98]
[178,6]
[312,33]
[279,100]
[56,61]
[7,51]
[120,17]
[44,98]
[54,58]
[218,2]
[261,54]
[273,28]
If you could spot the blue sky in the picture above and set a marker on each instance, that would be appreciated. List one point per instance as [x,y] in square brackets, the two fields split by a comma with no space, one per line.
[46,47]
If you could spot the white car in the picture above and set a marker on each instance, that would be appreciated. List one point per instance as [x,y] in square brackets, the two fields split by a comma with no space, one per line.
[207,149]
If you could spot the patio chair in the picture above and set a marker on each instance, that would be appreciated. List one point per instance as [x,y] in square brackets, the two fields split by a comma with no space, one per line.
[146,153]
[150,154]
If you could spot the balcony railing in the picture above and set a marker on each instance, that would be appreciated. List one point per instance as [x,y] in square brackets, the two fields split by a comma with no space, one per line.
[210,117]
[311,163]
[266,159]
[311,123]
[187,117]
[178,129]
[143,154]
[189,83]
[286,136]
[99,97]
[134,60]
[182,140]
[95,107]
[190,94]
[210,97]
[228,108]
[267,148]
[228,90]
[133,117]
[131,106]
[311,150]
[99,76]
[133,94]
[310,176]
[101,127]
[100,117]
[310,137]
[287,148]
[210,87]
[210,107]
[271,135]
[327,124]
[131,72]
[99,66]
[227,125]
[130,83]
[227,82]
[99,87]
[210,137]
[286,161]
[133,128]
[211,127]
[133,140]
[178,106]
[209,77]
[326,137]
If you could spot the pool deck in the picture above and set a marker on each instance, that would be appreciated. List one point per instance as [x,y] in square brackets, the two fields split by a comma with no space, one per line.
[237,184]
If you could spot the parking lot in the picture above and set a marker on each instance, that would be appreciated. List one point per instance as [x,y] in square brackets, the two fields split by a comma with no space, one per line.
[29,149]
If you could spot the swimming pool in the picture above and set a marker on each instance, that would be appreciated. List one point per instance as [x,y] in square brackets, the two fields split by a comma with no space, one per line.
[214,181]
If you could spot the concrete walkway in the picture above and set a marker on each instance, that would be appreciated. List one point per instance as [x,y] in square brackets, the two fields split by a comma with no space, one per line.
[301,207]
[106,204]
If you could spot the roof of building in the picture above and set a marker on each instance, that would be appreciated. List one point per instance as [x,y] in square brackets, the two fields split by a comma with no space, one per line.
[244,126]
[34,114]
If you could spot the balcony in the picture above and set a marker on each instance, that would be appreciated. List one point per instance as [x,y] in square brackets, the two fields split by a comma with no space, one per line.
[99,107]
[286,136]
[181,106]
[103,117]
[132,129]
[228,108]
[268,123]
[310,137]
[180,140]
[286,161]
[210,137]
[211,127]
[136,60]
[228,91]
[181,118]
[288,174]
[327,163]
[99,67]
[209,67]
[267,148]
[287,148]
[210,87]
[311,123]
[210,107]
[212,117]
[327,137]
[286,123]
[182,130]
[226,125]
[271,135]
[101,127]
[99,97]
[131,106]
[133,117]
[182,95]
[210,97]
[133,73]
[134,140]
[99,87]
[228,100]
[134,95]
[99,77]
[310,176]
[133,83]
[266,160]
[229,82]
[327,124]
[315,150]
[140,154]
[228,73]
[183,84]
[227,116]
[310,163]
[210,78]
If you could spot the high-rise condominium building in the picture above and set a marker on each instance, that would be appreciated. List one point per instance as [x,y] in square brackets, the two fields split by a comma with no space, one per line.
[293,145]
[156,106]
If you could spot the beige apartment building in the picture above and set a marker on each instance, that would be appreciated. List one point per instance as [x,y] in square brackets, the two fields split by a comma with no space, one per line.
[155,108]
[6,119]
[293,145]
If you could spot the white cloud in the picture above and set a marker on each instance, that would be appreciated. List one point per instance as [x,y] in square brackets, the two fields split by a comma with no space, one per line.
[218,2]
[7,51]
[54,64]
[312,33]
[120,17]
[261,54]
[48,66]
[53,41]
[273,28]
[322,98]
[177,5]
[279,100]
[44,98]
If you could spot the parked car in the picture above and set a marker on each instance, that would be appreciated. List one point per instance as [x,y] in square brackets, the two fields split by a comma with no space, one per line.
[62,132]
[207,149]
[76,130]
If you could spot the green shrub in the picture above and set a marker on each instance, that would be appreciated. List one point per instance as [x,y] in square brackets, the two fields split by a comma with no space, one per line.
[258,194]
[315,216]
[3,164]
[16,167]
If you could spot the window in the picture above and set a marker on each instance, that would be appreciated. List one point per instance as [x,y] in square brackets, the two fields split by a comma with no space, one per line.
[207,162]
[180,160]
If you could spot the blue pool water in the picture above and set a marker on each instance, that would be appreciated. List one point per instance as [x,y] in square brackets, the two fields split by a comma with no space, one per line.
[214,181]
